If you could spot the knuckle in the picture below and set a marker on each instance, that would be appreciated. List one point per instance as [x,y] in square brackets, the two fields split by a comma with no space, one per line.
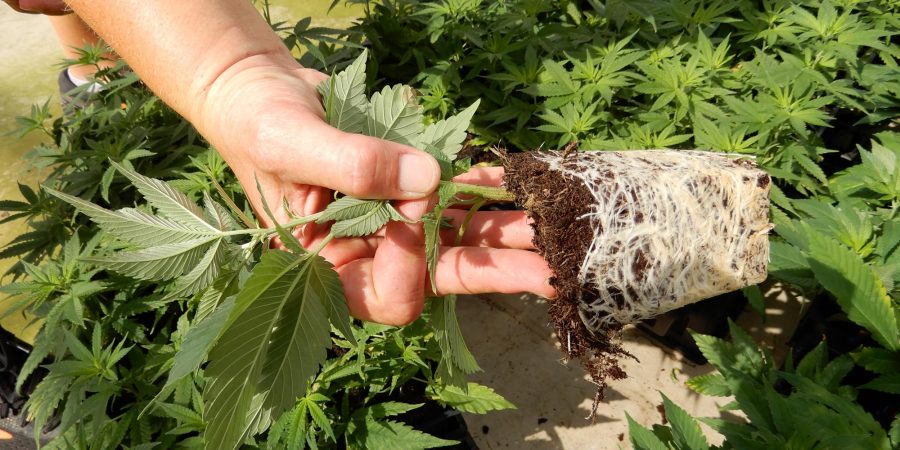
[363,170]
[404,315]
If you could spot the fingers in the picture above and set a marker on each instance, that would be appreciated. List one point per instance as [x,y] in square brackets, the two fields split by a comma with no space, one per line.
[461,270]
[483,176]
[475,270]
[498,229]
[390,288]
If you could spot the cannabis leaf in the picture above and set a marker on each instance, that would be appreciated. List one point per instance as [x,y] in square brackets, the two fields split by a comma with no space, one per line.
[204,273]
[642,438]
[395,115]
[199,340]
[183,245]
[344,97]
[444,138]
[169,201]
[456,359]
[368,429]
[475,398]
[162,262]
[685,429]
[275,342]
[354,217]
[328,287]
[856,286]
[135,226]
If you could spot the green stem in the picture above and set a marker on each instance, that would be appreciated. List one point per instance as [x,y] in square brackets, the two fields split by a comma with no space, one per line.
[485,192]
[288,225]
[465,223]
[480,192]
[323,244]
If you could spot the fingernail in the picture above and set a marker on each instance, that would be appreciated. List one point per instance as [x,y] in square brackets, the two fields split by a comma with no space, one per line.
[417,174]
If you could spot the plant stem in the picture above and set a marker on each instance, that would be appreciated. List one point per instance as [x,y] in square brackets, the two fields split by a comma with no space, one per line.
[485,192]
[323,243]
[288,225]
[482,193]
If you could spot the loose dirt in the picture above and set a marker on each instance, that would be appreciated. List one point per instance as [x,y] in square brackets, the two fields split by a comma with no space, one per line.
[558,208]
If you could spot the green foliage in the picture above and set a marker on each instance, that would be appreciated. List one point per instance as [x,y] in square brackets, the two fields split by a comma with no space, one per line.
[225,342]
[475,398]
[731,76]
[816,411]
[800,86]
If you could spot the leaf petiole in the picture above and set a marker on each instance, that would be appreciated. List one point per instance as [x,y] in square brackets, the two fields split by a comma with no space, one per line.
[485,192]
[272,230]
[322,244]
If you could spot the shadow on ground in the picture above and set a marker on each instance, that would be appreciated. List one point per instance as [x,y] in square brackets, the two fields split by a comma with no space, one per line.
[513,341]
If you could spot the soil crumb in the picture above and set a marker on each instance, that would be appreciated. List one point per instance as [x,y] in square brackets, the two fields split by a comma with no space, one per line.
[558,207]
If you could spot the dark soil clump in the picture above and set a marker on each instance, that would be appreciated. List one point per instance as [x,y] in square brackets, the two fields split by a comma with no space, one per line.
[558,207]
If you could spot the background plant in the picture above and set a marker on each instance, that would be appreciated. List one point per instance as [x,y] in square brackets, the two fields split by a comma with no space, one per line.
[809,88]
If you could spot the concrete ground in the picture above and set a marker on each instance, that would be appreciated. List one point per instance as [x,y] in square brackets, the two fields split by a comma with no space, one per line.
[513,342]
[509,335]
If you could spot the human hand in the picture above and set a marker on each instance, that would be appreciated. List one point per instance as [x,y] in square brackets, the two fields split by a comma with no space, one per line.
[48,7]
[267,122]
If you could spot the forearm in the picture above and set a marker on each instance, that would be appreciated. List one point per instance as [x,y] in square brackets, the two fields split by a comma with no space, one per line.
[181,49]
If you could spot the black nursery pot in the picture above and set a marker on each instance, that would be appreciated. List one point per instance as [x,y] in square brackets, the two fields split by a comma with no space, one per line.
[841,336]
[432,418]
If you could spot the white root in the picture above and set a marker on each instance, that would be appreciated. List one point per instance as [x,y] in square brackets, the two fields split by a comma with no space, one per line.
[671,228]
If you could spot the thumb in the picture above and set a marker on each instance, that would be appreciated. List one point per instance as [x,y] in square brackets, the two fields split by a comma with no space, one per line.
[361,166]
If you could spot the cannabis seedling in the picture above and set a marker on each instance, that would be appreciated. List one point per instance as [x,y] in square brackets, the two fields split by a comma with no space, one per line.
[264,327]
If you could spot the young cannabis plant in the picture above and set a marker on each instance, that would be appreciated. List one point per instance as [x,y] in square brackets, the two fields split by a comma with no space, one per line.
[264,326]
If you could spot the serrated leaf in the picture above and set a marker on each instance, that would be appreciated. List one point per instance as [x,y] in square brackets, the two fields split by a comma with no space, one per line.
[218,215]
[642,438]
[181,413]
[198,341]
[431,223]
[43,401]
[712,384]
[159,263]
[276,340]
[204,273]
[393,435]
[300,339]
[856,286]
[327,284]
[684,428]
[386,409]
[344,97]
[135,226]
[878,360]
[43,343]
[170,202]
[224,286]
[366,224]
[394,115]
[346,208]
[444,138]
[455,355]
[319,417]
[889,383]
[476,398]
